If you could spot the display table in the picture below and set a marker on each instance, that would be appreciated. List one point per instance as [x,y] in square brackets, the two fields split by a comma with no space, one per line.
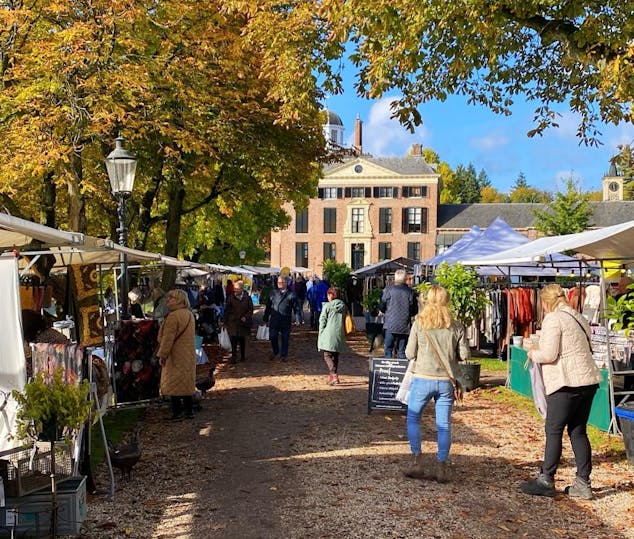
[520,382]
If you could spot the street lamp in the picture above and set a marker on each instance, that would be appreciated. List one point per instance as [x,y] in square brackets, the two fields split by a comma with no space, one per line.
[121,167]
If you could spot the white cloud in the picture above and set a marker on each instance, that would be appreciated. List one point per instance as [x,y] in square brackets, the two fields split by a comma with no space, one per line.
[384,136]
[489,142]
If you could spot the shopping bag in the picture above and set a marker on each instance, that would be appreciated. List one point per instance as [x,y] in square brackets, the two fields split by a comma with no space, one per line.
[348,324]
[224,340]
[262,333]
[402,395]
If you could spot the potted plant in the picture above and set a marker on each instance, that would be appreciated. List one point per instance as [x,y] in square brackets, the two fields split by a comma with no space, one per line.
[468,300]
[49,407]
[371,301]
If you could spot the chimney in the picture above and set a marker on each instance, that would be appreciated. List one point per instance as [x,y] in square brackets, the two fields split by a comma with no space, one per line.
[358,136]
[417,150]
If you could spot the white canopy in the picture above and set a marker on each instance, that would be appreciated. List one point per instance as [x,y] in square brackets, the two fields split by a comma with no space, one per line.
[17,232]
[610,243]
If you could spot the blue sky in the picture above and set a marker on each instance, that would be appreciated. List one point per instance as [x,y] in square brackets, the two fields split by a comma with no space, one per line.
[461,134]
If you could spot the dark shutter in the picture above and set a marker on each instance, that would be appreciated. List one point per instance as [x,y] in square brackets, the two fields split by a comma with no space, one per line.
[339,192]
[405,192]
[404,229]
[368,192]
[423,220]
[423,191]
[347,192]
[375,192]
[320,192]
[395,192]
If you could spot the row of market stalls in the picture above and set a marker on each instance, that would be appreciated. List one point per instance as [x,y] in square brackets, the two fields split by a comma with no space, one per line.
[79,262]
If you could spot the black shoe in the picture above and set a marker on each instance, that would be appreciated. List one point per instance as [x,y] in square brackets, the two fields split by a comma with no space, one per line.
[542,485]
[176,417]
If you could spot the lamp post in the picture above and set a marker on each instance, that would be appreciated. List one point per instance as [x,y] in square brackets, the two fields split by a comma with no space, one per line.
[121,167]
[242,254]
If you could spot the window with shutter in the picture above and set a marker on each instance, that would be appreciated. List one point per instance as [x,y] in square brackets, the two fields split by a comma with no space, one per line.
[330,220]
[301,222]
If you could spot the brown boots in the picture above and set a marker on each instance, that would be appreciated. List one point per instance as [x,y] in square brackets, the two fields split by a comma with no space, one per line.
[442,472]
[416,471]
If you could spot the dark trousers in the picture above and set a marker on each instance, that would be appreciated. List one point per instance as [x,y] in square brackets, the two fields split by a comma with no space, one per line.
[332,360]
[569,407]
[235,341]
[284,335]
[182,403]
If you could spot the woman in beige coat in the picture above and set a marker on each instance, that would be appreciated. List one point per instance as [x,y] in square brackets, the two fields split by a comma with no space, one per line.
[177,355]
[571,379]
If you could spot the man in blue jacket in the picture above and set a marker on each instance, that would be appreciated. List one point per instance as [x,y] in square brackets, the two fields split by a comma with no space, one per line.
[398,303]
[279,316]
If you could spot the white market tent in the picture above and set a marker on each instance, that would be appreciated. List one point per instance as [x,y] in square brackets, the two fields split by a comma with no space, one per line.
[473,234]
[17,232]
[610,243]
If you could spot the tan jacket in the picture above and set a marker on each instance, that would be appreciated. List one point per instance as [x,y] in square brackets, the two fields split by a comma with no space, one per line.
[177,344]
[451,345]
[564,351]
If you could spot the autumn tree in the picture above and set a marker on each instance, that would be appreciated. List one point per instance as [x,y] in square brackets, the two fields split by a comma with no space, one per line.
[522,192]
[574,53]
[568,213]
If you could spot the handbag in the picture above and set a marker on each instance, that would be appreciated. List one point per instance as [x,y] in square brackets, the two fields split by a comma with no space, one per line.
[224,340]
[457,387]
[402,395]
[348,324]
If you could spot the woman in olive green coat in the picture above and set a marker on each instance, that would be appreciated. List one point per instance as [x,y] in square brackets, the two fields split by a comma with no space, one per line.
[332,339]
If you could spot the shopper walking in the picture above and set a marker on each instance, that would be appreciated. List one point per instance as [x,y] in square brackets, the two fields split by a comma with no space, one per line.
[571,378]
[177,355]
[435,344]
[279,316]
[238,316]
[398,304]
[331,338]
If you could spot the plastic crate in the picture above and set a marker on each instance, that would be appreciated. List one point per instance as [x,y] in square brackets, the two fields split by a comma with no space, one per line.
[30,515]
[625,413]
[22,474]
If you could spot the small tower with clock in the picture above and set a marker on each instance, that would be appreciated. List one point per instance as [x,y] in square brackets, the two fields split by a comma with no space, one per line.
[612,185]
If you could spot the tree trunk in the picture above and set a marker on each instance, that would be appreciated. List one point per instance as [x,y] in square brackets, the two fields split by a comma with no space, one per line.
[76,199]
[49,197]
[173,229]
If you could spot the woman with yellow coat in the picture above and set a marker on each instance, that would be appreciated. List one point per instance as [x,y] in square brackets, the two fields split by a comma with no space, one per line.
[177,355]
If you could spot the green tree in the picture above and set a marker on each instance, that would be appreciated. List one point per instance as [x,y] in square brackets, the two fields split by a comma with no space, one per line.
[522,192]
[568,213]
[490,195]
[576,53]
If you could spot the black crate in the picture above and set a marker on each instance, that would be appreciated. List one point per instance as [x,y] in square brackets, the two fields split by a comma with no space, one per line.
[625,413]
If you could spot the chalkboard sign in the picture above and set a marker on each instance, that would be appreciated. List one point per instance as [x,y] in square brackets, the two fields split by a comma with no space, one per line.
[385,378]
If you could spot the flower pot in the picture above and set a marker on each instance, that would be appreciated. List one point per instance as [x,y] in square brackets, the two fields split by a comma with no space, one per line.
[50,431]
[469,375]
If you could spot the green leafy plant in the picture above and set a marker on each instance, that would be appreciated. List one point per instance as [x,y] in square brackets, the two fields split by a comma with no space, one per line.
[336,273]
[49,400]
[622,310]
[372,300]
[468,300]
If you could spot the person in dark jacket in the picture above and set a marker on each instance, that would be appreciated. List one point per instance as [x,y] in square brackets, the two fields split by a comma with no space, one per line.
[237,318]
[300,295]
[279,316]
[316,298]
[398,304]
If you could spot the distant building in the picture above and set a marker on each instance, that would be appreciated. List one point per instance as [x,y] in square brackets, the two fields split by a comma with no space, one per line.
[370,209]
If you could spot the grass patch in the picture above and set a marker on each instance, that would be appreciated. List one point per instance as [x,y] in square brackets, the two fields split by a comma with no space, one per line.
[491,364]
[117,424]
[601,442]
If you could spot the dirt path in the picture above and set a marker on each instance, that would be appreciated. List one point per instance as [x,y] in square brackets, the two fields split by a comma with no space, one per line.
[276,453]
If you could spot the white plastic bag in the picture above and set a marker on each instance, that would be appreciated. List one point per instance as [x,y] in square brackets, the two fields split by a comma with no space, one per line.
[402,395]
[224,340]
[263,333]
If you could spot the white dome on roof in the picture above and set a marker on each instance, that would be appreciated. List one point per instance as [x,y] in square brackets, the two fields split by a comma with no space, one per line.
[333,119]
[333,129]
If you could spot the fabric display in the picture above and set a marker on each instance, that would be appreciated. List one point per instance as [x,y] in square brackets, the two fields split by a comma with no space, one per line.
[47,357]
[85,288]
[137,373]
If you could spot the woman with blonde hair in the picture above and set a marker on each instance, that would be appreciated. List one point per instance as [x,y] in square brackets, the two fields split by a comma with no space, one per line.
[177,355]
[434,343]
[571,378]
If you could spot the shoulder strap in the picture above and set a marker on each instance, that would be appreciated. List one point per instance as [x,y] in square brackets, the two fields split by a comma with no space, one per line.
[439,357]
[582,328]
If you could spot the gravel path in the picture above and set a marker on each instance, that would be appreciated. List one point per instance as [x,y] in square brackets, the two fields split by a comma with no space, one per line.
[276,453]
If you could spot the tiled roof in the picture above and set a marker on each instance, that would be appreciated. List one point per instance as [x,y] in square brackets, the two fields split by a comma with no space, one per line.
[399,165]
[521,215]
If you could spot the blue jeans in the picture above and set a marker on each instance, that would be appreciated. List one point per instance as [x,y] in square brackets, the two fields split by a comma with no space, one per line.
[422,391]
[285,333]
[395,340]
